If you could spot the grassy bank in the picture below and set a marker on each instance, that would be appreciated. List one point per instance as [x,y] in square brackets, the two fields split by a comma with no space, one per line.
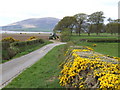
[43,74]
[25,50]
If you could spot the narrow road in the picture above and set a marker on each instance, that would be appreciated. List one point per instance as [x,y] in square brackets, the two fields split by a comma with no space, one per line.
[11,69]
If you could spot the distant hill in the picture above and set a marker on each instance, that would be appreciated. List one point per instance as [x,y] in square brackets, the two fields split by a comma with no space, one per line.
[33,24]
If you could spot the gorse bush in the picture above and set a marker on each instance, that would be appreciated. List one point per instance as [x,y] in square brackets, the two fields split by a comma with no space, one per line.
[89,71]
[7,51]
[9,40]
[32,38]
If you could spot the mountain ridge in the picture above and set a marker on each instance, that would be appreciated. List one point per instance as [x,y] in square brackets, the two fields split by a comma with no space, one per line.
[33,24]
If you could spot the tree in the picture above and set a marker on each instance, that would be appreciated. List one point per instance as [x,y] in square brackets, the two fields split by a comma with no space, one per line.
[117,21]
[97,19]
[80,19]
[113,26]
[90,24]
[67,22]
[109,26]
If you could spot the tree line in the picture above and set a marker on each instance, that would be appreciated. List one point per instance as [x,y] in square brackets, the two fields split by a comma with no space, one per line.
[83,23]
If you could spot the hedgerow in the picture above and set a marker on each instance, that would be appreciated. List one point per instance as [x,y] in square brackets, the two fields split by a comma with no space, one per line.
[11,46]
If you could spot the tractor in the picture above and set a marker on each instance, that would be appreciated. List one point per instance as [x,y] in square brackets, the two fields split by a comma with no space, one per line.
[53,36]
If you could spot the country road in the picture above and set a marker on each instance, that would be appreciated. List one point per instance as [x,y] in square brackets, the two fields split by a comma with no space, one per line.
[11,69]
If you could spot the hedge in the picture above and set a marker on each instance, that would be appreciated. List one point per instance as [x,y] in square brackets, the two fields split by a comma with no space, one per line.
[9,50]
[101,40]
[25,43]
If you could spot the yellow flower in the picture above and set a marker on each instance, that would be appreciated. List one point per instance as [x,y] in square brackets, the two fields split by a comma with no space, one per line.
[81,78]
[94,45]
[81,86]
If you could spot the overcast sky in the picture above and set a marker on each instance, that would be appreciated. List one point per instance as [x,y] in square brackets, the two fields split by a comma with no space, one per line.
[16,10]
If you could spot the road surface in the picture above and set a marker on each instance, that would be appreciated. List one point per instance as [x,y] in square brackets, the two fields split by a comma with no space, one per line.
[13,68]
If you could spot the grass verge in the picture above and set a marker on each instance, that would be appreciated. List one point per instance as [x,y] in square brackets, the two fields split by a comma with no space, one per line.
[43,74]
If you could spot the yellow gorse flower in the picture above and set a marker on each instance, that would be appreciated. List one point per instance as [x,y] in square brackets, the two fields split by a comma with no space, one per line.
[106,73]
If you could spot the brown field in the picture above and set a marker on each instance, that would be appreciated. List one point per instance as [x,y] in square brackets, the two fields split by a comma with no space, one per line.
[25,36]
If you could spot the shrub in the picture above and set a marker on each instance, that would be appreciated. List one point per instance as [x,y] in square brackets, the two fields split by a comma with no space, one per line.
[9,40]
[94,45]
[32,38]
[5,45]
[65,35]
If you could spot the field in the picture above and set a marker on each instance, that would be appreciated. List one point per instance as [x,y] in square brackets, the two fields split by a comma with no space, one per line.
[103,48]
[106,48]
[93,36]
[25,36]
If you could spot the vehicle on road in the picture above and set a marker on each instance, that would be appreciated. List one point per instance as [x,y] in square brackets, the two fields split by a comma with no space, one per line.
[53,36]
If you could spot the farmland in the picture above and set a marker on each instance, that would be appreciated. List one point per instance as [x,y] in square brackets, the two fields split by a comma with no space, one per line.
[105,43]
[25,36]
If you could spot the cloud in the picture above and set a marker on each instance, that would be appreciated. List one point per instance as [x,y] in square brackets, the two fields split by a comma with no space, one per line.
[15,10]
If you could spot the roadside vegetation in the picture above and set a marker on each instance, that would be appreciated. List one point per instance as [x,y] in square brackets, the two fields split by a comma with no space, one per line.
[12,48]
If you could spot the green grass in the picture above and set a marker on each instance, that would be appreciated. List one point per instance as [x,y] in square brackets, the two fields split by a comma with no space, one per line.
[76,37]
[103,48]
[28,49]
[43,74]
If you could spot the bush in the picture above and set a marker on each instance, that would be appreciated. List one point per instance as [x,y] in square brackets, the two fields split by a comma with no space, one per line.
[9,40]
[5,45]
[65,35]
[32,38]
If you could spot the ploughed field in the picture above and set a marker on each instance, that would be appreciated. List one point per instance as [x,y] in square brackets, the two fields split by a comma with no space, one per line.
[25,36]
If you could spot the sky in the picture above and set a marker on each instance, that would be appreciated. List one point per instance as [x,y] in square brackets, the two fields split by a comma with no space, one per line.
[16,10]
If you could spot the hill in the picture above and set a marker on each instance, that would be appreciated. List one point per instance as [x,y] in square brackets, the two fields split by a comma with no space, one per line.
[33,24]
